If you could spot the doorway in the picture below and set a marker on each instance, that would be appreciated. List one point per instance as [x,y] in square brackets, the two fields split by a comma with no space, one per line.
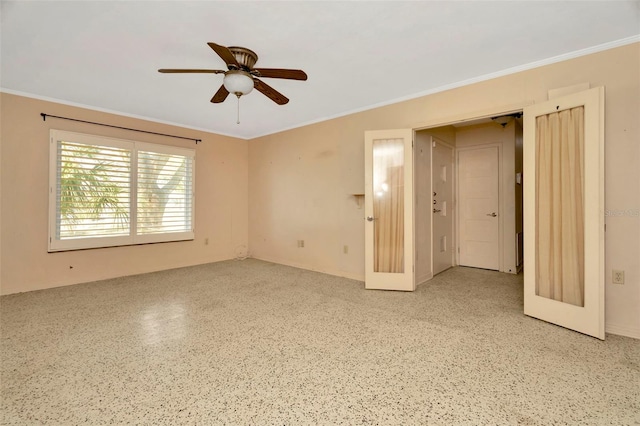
[434,221]
[489,242]
[572,123]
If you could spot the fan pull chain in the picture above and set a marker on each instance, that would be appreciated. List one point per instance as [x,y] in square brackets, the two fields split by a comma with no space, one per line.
[238,113]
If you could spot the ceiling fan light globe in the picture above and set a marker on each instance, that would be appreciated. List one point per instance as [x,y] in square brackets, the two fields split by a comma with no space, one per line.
[238,82]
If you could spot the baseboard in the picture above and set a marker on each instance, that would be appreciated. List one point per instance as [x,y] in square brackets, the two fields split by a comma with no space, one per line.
[622,330]
[423,279]
[342,274]
[108,276]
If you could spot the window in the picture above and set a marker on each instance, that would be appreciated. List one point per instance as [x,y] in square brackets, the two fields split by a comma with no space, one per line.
[109,192]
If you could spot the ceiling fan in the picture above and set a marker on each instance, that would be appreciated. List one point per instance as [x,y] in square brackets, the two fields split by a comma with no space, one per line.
[241,77]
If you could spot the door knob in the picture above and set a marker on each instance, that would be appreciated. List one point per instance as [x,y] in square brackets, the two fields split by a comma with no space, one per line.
[436,211]
[371,218]
[492,214]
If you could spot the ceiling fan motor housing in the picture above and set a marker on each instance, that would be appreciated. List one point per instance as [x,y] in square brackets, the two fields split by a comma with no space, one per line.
[245,57]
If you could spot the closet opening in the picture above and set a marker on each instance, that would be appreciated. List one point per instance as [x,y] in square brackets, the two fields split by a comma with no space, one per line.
[468,196]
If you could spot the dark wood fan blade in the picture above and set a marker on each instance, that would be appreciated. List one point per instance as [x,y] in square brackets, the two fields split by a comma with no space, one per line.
[281,73]
[225,54]
[270,92]
[220,95]
[191,71]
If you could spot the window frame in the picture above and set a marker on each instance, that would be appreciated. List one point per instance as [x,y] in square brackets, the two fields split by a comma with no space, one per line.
[57,245]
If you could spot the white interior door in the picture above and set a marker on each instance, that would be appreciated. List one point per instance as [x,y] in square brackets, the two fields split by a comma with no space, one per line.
[423,207]
[564,211]
[478,187]
[389,210]
[442,218]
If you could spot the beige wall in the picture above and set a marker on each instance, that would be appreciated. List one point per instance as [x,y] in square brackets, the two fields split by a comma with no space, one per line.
[300,180]
[221,200]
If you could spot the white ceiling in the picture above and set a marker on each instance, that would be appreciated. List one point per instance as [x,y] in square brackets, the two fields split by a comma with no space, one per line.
[105,55]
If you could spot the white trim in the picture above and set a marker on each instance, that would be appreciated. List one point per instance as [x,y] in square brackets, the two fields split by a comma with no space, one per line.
[473,80]
[502,73]
[114,112]
[165,149]
[622,330]
[306,267]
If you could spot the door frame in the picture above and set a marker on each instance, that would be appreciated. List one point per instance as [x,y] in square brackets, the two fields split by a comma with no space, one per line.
[500,201]
[471,117]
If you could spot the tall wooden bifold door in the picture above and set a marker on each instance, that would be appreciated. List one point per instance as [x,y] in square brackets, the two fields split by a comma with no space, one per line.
[389,210]
[564,211]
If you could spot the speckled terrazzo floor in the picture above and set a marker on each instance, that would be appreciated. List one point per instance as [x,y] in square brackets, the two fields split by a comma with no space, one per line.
[250,342]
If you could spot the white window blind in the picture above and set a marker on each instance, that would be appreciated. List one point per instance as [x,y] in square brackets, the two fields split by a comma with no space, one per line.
[108,192]
[93,191]
[164,193]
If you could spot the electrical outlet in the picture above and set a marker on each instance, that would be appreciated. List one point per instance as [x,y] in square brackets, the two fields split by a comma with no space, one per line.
[345,249]
[206,241]
[618,277]
[300,243]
